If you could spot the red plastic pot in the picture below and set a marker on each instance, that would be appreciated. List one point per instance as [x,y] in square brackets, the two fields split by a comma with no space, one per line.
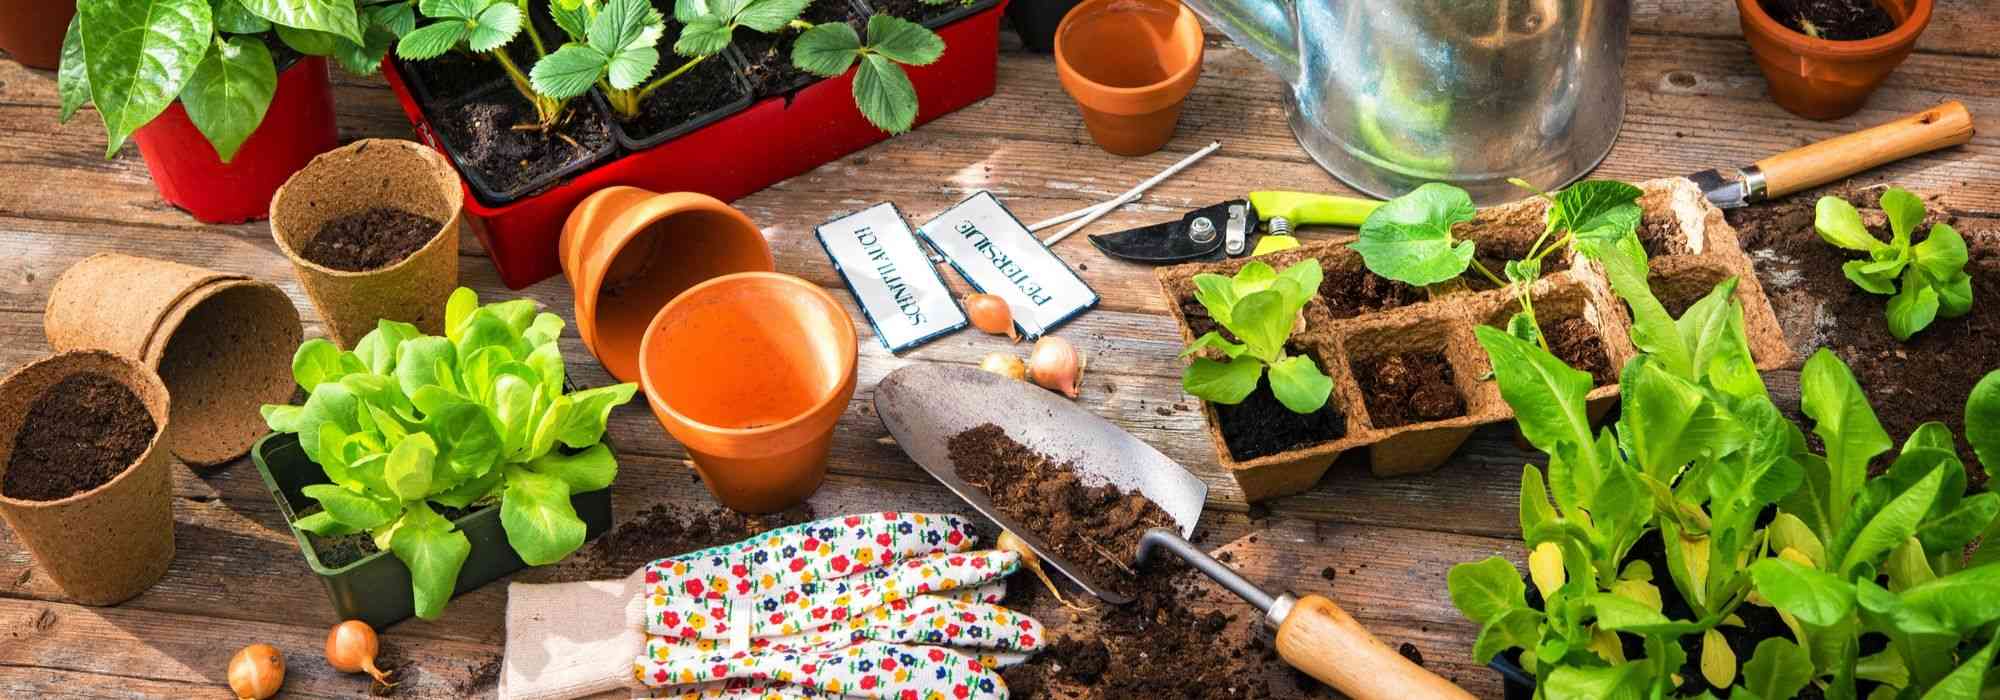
[738,155]
[32,30]
[298,126]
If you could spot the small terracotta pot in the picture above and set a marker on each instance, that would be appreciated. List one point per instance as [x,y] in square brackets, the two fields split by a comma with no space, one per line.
[751,371]
[1825,79]
[1129,64]
[634,250]
[359,176]
[222,343]
[32,30]
[110,543]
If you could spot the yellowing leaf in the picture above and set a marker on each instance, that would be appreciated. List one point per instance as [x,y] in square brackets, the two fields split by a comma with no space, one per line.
[1718,661]
[1642,592]
[1545,567]
[1605,644]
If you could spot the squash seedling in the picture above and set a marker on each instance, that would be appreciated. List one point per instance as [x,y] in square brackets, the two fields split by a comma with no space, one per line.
[881,89]
[484,27]
[1934,282]
[1260,306]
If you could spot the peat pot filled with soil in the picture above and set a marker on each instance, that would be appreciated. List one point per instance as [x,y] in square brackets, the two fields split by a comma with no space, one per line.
[1824,57]
[1417,376]
[84,481]
[372,231]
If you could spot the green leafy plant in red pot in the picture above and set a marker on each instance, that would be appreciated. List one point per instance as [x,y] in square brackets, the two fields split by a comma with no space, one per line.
[1824,57]
[225,98]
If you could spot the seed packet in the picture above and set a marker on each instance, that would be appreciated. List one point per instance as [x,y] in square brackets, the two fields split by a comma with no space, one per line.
[891,276]
[997,254]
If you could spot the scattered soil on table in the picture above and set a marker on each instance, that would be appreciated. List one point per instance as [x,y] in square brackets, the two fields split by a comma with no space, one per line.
[769,56]
[1356,291]
[1660,234]
[1411,387]
[370,239]
[916,10]
[1261,425]
[1839,20]
[78,435]
[1411,652]
[401,673]
[1908,384]
[481,131]
[704,88]
[1578,344]
[336,552]
[479,678]
[1093,527]
[658,532]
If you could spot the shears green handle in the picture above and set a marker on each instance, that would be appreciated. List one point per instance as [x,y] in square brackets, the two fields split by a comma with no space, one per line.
[1306,208]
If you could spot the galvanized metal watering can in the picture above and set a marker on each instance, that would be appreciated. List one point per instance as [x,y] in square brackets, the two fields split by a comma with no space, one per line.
[1390,94]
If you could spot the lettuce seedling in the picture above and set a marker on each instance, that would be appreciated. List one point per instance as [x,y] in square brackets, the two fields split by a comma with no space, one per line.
[1933,278]
[485,27]
[881,89]
[1261,307]
[406,421]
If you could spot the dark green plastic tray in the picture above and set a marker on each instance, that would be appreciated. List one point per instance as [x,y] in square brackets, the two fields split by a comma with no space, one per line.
[376,589]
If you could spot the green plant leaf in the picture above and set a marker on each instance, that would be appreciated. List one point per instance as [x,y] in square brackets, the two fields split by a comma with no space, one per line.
[540,522]
[1661,419]
[1839,223]
[1226,383]
[72,74]
[1535,508]
[410,467]
[322,523]
[337,17]
[138,55]
[1962,601]
[360,511]
[1515,628]
[574,21]
[1261,321]
[471,490]
[307,41]
[431,40]
[466,438]
[768,16]
[1982,421]
[903,41]
[1547,396]
[232,18]
[1789,531]
[624,25]
[1299,385]
[1906,213]
[1912,309]
[1305,277]
[1871,282]
[883,93]
[1486,589]
[398,17]
[1777,669]
[1942,255]
[586,471]
[1813,596]
[1214,339]
[1842,419]
[377,350]
[1618,682]
[319,360]
[569,71]
[434,553]
[1408,239]
[365,58]
[591,412]
[707,36]
[458,309]
[494,27]
[1521,325]
[1965,682]
[1217,293]
[514,406]
[1599,209]
[1654,331]
[1897,520]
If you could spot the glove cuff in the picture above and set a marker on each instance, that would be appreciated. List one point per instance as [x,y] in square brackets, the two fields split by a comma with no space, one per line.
[569,640]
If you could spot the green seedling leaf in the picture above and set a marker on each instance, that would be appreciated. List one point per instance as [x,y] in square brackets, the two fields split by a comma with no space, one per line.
[826,50]
[1305,277]
[1547,396]
[625,33]
[458,309]
[592,412]
[1226,383]
[1515,628]
[231,17]
[1942,255]
[398,17]
[1982,421]
[540,522]
[1597,209]
[1895,522]
[1217,293]
[1871,282]
[1965,682]
[360,511]
[307,41]
[903,41]
[1408,239]
[319,360]
[1843,419]
[1913,308]
[336,17]
[323,524]
[768,16]
[409,468]
[434,551]
[494,27]
[1906,213]
[1963,601]
[1522,326]
[570,71]
[590,470]
[1485,590]
[1813,596]
[1839,223]
[1299,385]
[884,94]
[1535,507]
[378,349]
[1787,531]
[138,55]
[431,40]
[1263,324]
[72,74]
[1213,340]
[1654,331]
[705,36]
[366,57]
[1626,680]
[1777,669]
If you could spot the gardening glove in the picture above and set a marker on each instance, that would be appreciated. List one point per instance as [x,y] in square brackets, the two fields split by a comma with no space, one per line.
[862,604]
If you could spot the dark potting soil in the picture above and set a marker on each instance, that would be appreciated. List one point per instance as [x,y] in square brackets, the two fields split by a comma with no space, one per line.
[916,10]
[78,435]
[769,56]
[370,239]
[1095,527]
[1412,387]
[702,89]
[1839,20]
[481,131]
[1660,234]
[659,531]
[1908,384]
[336,552]
[1493,252]
[454,74]
[1356,291]
[1577,343]
[1201,322]
[1261,425]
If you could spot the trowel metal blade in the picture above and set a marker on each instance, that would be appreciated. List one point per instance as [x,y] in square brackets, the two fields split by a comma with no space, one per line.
[924,405]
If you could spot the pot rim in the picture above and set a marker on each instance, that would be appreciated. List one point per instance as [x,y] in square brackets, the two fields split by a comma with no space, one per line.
[1906,32]
[441,170]
[1185,74]
[139,371]
[848,361]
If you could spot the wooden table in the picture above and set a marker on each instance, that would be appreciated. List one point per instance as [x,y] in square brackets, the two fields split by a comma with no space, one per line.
[1694,99]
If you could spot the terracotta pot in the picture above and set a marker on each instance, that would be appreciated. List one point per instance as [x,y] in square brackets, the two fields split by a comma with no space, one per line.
[635,250]
[1129,64]
[104,545]
[222,343]
[1824,79]
[32,30]
[359,176]
[751,371]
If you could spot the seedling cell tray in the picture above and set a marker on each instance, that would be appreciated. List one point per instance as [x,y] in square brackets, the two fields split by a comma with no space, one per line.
[376,588]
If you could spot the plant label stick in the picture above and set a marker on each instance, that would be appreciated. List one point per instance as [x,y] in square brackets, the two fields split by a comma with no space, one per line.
[891,276]
[996,254]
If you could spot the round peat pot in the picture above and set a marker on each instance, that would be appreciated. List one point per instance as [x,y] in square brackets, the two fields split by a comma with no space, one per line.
[364,175]
[109,543]
[751,371]
[627,252]
[222,343]
[1826,79]
[32,30]
[297,126]
[1129,64]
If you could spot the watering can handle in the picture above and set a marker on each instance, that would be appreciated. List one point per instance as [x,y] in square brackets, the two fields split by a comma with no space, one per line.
[1945,125]
[1324,641]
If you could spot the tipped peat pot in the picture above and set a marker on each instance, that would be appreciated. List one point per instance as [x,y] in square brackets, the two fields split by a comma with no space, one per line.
[297,127]
[627,252]
[751,371]
[222,343]
[31,31]
[364,175]
[1826,79]
[107,544]
[1129,64]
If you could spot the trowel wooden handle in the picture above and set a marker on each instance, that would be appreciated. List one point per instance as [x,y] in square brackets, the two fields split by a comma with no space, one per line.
[1945,125]
[1324,641]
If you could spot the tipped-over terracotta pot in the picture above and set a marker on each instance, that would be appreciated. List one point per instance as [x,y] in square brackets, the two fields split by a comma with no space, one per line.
[751,371]
[104,545]
[628,251]
[1129,64]
[357,177]
[1826,79]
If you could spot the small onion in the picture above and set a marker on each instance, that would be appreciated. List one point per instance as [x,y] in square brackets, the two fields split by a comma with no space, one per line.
[351,647]
[1010,542]
[989,313]
[1005,365]
[256,672]
[1057,366]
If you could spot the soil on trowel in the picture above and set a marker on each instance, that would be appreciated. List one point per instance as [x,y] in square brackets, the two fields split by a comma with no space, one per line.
[78,435]
[1261,426]
[769,56]
[702,89]
[370,239]
[1838,20]
[1908,384]
[1411,387]
[1095,527]
[1356,291]
[658,532]
[1577,343]
[483,134]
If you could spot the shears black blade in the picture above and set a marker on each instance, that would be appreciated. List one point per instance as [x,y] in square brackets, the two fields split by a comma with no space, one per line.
[1197,235]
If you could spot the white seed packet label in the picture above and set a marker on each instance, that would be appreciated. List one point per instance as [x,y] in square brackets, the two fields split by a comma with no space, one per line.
[996,254]
[891,275]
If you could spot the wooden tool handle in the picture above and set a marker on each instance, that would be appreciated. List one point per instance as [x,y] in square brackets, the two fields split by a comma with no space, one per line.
[1324,641]
[1947,124]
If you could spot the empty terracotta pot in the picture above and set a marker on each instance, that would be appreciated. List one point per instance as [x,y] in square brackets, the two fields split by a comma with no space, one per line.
[751,371]
[104,545]
[1129,64]
[628,251]
[1825,79]
[32,30]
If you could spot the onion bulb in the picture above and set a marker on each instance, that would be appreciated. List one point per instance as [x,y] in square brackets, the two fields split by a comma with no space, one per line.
[256,672]
[351,647]
[1057,366]
[989,313]
[1005,365]
[1010,542]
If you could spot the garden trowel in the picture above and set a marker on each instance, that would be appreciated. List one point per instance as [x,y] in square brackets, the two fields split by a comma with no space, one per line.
[1231,227]
[924,405]
[1813,165]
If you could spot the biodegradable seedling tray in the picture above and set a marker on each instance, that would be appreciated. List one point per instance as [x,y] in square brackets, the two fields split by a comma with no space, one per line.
[376,589]
[1690,248]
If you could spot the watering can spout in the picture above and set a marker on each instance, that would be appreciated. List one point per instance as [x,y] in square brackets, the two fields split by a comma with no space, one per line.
[1265,28]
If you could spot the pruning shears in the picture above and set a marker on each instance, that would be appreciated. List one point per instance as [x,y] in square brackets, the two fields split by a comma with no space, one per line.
[1227,228]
